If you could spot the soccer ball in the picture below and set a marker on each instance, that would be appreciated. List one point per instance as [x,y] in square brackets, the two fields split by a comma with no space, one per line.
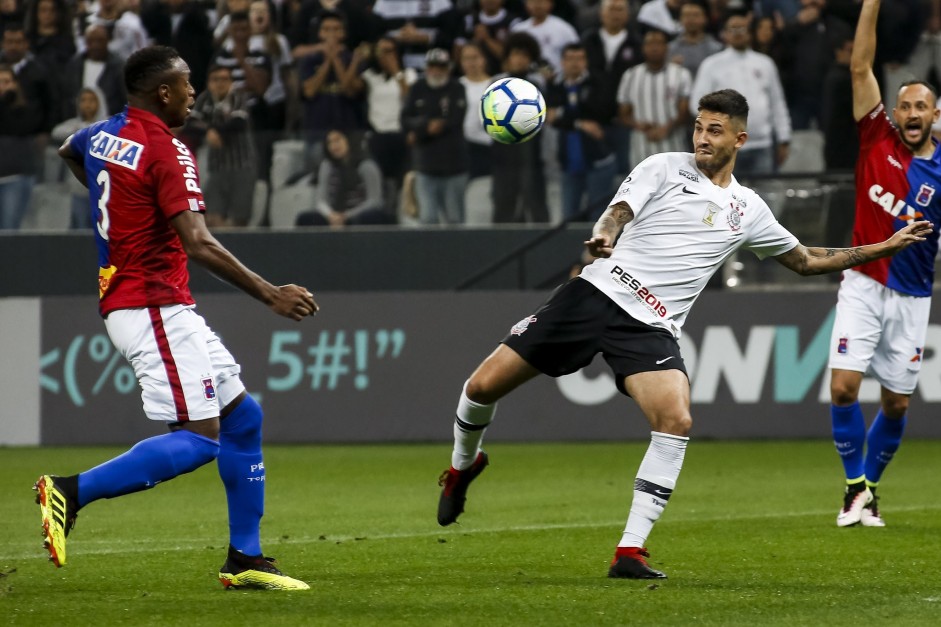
[512,110]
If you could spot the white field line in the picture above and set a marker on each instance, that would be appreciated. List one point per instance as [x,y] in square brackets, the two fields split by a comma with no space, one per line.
[111,547]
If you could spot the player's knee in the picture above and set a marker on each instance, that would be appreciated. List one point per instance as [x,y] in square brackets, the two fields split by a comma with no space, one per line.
[894,406]
[843,393]
[481,390]
[674,424]
[244,421]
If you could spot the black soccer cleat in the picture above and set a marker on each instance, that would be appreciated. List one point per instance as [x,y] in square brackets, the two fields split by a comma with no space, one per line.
[455,484]
[630,563]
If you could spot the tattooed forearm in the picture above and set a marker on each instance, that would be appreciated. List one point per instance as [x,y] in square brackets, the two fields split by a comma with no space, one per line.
[613,219]
[811,261]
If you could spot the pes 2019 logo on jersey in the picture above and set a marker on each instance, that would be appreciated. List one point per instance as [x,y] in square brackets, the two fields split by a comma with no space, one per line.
[116,150]
[520,327]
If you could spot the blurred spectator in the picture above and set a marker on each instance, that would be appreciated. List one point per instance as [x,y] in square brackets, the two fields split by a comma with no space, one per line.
[39,89]
[755,76]
[125,27]
[49,31]
[328,88]
[925,62]
[350,188]
[841,138]
[386,84]
[270,115]
[900,25]
[693,44]
[488,28]
[417,26]
[552,33]
[766,37]
[662,15]
[475,80]
[89,108]
[519,180]
[779,10]
[654,101]
[612,50]
[98,68]
[20,123]
[303,32]
[11,12]
[224,11]
[807,55]
[184,25]
[579,107]
[433,118]
[221,118]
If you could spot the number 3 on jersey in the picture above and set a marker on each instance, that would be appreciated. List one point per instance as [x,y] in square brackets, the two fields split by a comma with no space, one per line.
[104,194]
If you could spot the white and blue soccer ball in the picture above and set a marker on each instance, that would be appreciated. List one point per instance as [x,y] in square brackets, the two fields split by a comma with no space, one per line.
[512,110]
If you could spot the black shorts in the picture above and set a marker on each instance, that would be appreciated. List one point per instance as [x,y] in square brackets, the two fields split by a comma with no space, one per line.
[578,322]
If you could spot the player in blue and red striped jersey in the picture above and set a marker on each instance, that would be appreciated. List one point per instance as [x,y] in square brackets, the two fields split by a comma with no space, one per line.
[883,306]
[147,210]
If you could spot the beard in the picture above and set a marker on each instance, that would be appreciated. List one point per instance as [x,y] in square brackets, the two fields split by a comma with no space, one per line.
[713,162]
[916,146]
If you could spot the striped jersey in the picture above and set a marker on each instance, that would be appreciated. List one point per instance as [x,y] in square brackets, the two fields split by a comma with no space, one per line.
[655,98]
[684,228]
[139,177]
[893,187]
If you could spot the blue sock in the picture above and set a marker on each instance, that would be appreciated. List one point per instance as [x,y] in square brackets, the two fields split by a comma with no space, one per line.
[243,474]
[849,436]
[884,438]
[149,462]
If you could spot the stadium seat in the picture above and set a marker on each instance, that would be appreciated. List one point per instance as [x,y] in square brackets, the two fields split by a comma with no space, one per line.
[49,208]
[478,205]
[806,152]
[287,161]
[289,200]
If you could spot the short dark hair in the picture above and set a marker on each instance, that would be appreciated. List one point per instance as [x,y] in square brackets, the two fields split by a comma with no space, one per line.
[916,81]
[239,16]
[576,46]
[145,66]
[727,101]
[523,42]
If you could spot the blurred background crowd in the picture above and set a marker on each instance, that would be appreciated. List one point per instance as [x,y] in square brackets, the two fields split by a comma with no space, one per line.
[340,112]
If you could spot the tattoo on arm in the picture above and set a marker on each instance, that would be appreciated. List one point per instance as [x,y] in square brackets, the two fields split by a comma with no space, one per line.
[810,261]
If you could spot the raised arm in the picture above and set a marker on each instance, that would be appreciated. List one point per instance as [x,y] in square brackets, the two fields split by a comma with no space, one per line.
[290,301]
[865,86]
[607,228]
[814,260]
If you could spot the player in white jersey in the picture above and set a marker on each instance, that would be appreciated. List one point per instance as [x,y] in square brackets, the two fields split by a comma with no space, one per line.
[679,216]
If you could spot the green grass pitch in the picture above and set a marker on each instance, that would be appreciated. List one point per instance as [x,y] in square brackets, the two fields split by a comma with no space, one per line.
[748,539]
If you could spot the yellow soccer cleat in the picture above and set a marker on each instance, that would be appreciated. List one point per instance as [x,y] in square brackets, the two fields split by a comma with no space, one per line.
[260,573]
[58,517]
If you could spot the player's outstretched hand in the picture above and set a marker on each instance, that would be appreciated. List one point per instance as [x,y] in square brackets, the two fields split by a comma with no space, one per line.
[599,246]
[294,302]
[914,232]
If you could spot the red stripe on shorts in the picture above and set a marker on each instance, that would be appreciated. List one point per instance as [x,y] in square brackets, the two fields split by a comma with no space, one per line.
[173,375]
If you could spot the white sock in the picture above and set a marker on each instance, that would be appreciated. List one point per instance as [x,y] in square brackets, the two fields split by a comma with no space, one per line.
[653,486]
[471,420]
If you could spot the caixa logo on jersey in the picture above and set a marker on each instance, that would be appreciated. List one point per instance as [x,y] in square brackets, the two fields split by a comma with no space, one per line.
[898,207]
[116,150]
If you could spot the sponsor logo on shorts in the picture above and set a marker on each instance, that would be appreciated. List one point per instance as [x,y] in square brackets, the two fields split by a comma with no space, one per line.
[520,327]
[917,356]
[643,295]
[209,389]
[841,347]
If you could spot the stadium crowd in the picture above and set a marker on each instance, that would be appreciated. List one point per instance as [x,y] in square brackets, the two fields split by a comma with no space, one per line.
[381,93]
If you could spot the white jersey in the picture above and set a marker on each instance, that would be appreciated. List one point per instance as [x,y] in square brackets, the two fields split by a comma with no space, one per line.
[684,228]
